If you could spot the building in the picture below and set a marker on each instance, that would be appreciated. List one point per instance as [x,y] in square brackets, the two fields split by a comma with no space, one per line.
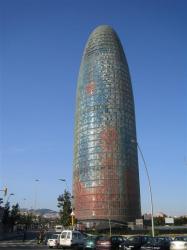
[105,175]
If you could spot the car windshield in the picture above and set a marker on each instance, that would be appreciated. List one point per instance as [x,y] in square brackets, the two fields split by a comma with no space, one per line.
[120,239]
[103,238]
[93,237]
[63,235]
[181,238]
[48,235]
[155,240]
[134,239]
[54,236]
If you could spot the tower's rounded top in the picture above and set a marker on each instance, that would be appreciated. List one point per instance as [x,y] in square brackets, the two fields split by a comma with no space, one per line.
[103,39]
[103,29]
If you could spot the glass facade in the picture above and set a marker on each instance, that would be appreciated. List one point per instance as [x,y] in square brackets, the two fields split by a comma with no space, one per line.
[105,171]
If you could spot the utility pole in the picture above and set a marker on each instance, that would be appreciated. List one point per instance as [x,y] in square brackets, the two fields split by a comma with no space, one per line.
[149,183]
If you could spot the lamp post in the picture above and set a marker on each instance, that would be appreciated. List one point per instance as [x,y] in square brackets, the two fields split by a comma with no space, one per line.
[35,195]
[64,180]
[9,197]
[71,198]
[149,183]
[72,219]
[24,200]
[5,190]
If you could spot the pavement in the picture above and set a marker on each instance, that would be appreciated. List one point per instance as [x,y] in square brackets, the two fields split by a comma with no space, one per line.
[16,241]
[7,236]
[19,244]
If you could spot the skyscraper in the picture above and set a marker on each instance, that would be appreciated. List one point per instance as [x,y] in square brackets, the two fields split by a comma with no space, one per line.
[105,172]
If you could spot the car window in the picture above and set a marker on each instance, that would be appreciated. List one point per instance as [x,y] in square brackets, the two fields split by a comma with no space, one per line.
[68,235]
[47,236]
[63,235]
[159,240]
[145,239]
[91,237]
[54,236]
[162,239]
[150,240]
[75,236]
[120,239]
[79,236]
[181,238]
[103,238]
[134,239]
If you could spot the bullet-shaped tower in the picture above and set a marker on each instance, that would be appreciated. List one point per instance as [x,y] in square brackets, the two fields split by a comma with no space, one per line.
[105,171]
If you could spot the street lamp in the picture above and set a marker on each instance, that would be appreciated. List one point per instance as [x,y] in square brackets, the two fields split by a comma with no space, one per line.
[35,195]
[24,200]
[149,183]
[9,197]
[64,180]
[72,219]
[5,190]
[71,198]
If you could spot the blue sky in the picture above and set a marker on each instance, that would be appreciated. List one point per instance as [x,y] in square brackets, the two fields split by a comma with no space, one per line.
[41,45]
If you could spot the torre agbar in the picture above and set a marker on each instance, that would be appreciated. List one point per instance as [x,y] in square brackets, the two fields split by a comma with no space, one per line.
[105,171]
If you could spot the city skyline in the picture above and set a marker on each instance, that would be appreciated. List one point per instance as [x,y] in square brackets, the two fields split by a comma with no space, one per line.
[40,50]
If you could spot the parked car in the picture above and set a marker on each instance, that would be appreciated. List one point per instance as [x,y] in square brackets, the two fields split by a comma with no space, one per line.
[103,243]
[134,242]
[46,237]
[59,228]
[157,243]
[179,242]
[117,240]
[71,238]
[53,241]
[90,242]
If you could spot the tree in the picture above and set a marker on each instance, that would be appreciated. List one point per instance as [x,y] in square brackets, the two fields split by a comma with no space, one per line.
[14,215]
[1,202]
[6,216]
[159,221]
[182,220]
[64,203]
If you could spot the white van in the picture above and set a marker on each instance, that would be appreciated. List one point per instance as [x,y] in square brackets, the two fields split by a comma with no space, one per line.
[70,238]
[59,228]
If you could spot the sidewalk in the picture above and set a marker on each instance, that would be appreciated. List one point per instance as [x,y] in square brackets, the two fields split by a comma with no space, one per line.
[8,236]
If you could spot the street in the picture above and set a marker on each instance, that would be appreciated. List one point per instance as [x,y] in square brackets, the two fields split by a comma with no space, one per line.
[16,242]
[19,244]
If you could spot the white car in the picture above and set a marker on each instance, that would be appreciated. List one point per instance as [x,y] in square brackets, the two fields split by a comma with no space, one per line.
[54,241]
[71,238]
[59,228]
[179,243]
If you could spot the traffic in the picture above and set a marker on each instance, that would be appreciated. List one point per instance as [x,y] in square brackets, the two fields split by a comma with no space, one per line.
[74,239]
